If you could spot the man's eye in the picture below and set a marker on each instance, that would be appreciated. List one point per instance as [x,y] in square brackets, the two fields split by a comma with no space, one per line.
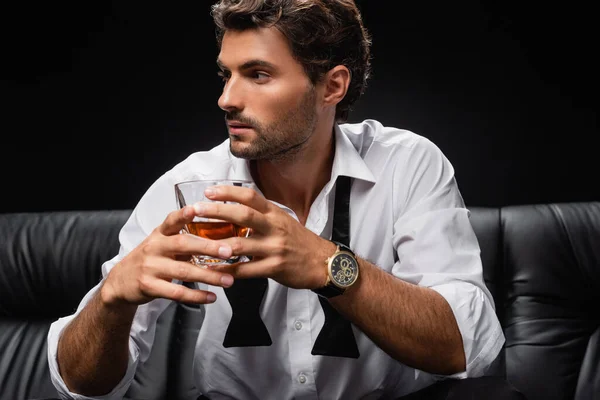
[261,76]
[223,75]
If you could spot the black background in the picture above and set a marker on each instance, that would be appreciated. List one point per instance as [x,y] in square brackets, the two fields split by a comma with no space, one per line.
[100,98]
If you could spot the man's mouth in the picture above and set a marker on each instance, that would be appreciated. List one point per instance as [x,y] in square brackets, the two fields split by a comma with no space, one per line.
[237,128]
[238,125]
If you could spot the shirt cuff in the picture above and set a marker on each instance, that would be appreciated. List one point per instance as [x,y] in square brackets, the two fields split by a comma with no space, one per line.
[120,389]
[480,329]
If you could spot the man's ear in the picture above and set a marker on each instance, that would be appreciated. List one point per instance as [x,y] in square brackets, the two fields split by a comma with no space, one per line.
[336,85]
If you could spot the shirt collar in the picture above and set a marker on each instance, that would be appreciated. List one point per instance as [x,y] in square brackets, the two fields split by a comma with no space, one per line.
[347,161]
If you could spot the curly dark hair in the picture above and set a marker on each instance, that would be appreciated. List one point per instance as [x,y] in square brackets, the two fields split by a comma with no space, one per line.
[321,33]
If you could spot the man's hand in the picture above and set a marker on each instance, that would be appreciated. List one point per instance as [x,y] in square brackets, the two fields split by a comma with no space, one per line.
[93,350]
[282,249]
[147,271]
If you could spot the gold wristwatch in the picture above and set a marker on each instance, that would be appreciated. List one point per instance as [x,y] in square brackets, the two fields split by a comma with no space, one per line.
[342,272]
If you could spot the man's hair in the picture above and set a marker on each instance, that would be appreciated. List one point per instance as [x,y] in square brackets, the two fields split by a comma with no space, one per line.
[321,34]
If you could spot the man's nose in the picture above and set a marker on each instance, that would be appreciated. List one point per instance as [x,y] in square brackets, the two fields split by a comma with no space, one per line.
[231,98]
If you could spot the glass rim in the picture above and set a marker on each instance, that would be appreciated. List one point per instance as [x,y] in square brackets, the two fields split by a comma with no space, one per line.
[216,181]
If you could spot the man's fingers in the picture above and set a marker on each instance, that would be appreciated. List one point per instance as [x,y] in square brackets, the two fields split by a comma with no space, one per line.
[242,195]
[188,272]
[159,288]
[248,246]
[188,244]
[176,220]
[238,214]
[261,268]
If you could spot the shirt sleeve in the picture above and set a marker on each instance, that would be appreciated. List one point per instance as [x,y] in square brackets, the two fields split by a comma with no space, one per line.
[150,211]
[437,248]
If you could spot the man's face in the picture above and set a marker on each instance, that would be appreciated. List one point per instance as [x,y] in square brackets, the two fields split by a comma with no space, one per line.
[269,101]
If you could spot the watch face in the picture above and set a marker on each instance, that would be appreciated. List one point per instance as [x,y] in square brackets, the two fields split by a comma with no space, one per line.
[344,270]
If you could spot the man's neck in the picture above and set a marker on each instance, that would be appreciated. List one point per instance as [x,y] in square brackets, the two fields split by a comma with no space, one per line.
[296,183]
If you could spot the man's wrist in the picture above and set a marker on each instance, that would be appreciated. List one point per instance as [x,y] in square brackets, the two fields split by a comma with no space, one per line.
[111,304]
[327,249]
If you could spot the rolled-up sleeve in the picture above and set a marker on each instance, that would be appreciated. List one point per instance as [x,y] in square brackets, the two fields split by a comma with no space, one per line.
[481,333]
[437,248]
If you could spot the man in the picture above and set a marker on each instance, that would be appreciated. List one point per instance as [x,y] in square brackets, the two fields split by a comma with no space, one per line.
[415,305]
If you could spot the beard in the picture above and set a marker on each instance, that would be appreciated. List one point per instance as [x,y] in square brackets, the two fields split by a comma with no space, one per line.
[281,140]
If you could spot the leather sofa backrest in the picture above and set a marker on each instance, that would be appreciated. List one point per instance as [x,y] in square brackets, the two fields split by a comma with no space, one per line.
[551,262]
[541,263]
[48,261]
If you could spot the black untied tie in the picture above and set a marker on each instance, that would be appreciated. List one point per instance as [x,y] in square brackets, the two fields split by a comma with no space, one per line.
[246,327]
[336,338]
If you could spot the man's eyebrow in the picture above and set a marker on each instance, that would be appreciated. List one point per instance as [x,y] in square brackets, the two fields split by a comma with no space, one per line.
[248,64]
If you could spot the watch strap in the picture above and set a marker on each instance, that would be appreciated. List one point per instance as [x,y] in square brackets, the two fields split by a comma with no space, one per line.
[343,247]
[329,291]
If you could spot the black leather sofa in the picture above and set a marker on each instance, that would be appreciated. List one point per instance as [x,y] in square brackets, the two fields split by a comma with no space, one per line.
[541,262]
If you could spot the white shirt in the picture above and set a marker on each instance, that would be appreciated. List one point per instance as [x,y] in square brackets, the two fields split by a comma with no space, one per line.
[408,217]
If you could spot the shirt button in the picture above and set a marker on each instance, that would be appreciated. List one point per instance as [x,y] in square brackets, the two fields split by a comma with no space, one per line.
[298,325]
[302,378]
